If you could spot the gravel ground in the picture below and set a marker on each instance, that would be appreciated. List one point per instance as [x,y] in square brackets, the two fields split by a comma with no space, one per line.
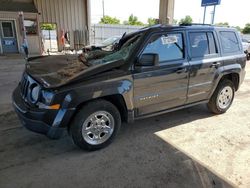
[186,148]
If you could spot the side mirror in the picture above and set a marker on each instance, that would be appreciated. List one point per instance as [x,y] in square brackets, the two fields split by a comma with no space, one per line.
[149,59]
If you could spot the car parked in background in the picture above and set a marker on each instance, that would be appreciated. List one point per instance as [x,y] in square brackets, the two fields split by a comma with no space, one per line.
[246,47]
[106,45]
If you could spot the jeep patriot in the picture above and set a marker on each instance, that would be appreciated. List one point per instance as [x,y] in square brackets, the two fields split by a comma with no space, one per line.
[152,71]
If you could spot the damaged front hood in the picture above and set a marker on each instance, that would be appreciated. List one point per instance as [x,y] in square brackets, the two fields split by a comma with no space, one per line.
[55,71]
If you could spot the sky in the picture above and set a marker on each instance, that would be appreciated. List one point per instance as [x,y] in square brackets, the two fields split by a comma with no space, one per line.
[236,14]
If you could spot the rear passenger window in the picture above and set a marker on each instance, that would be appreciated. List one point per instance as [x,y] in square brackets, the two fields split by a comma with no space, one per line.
[229,42]
[202,43]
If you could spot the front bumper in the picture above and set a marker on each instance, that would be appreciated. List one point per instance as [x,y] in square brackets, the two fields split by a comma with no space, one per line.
[52,123]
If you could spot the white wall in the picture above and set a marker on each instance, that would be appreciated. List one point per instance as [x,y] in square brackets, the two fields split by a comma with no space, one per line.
[100,32]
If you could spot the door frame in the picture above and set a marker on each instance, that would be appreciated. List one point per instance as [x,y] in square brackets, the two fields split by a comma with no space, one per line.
[57,35]
[161,66]
[17,34]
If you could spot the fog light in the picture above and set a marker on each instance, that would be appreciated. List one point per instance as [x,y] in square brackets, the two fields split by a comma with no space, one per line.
[54,107]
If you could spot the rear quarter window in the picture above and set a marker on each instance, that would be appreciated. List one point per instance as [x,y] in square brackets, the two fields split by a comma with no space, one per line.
[229,42]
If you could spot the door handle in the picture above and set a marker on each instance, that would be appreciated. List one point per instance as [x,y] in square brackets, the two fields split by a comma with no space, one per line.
[181,70]
[215,65]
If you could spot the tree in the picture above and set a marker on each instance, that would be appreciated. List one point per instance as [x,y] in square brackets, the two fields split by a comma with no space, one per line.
[133,20]
[246,29]
[48,26]
[224,24]
[175,21]
[238,28]
[109,20]
[186,20]
[152,21]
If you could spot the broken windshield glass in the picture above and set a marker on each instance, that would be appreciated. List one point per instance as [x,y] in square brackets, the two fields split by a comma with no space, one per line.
[99,57]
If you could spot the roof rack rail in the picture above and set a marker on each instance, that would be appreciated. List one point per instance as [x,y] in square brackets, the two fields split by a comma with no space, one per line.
[199,24]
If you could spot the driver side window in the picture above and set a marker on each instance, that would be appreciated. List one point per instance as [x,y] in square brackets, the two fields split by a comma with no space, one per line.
[169,47]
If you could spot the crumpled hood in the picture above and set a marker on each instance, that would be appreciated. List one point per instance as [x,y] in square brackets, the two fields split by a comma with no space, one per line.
[55,71]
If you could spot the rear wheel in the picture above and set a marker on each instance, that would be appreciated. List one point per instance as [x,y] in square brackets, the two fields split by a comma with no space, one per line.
[222,97]
[95,125]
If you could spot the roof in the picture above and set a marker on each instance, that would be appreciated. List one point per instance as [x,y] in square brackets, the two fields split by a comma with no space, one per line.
[17,6]
[160,27]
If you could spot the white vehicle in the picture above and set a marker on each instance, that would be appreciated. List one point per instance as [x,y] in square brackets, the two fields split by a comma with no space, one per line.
[246,47]
[106,45]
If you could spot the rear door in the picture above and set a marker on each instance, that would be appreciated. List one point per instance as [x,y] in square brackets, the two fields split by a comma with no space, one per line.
[162,86]
[204,62]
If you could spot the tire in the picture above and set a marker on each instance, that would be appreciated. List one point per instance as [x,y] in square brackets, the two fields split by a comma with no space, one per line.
[89,129]
[222,97]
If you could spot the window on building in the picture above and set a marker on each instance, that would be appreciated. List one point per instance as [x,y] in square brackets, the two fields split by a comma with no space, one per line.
[202,44]
[229,42]
[30,26]
[169,47]
[7,29]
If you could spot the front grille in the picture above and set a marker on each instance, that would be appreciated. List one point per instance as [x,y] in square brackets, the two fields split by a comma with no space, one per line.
[27,83]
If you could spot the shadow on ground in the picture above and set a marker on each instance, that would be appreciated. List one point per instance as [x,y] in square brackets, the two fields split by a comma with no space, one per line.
[137,158]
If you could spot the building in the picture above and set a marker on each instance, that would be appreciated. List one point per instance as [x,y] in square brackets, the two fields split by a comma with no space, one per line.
[69,21]
[11,37]
[70,17]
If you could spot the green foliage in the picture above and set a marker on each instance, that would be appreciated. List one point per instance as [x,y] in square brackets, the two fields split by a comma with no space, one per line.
[224,24]
[175,21]
[246,29]
[186,20]
[109,20]
[133,20]
[48,26]
[152,21]
[238,28]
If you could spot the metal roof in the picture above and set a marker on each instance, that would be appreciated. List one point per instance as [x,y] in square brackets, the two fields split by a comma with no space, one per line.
[17,6]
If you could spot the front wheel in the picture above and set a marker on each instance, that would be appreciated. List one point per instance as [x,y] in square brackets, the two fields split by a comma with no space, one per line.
[222,97]
[95,125]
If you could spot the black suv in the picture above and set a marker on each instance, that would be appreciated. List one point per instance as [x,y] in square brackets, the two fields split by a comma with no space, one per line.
[152,71]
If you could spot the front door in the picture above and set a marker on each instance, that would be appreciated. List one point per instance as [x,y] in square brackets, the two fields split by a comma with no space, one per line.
[162,86]
[8,37]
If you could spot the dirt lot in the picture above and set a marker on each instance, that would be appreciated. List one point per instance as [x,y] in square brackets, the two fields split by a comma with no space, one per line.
[187,148]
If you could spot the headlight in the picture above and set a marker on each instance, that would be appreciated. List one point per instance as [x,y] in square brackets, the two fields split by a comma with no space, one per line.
[47,97]
[34,95]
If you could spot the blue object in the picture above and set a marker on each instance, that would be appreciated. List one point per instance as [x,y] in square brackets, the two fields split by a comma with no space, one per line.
[210,2]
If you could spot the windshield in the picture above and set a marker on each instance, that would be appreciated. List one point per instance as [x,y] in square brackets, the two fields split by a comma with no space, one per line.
[122,54]
[109,41]
[245,40]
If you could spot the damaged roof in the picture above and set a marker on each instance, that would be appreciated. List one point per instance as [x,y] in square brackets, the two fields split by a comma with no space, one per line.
[17,6]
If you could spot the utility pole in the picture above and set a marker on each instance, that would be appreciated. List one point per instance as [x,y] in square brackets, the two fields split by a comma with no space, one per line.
[103,13]
[166,11]
[204,16]
[213,15]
